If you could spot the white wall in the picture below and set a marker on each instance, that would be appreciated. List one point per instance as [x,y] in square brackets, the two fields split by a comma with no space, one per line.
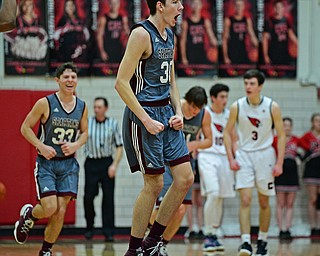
[295,101]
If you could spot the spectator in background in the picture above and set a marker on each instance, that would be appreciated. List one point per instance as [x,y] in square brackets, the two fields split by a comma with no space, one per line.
[287,184]
[8,10]
[104,136]
[310,142]
[111,27]
[72,35]
[277,33]
[236,28]
[194,30]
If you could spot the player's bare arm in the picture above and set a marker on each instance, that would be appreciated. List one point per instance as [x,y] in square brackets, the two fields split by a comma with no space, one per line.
[176,121]
[138,47]
[183,43]
[254,39]
[39,112]
[225,38]
[69,148]
[227,137]
[207,133]
[100,33]
[265,47]
[292,36]
[278,125]
[209,30]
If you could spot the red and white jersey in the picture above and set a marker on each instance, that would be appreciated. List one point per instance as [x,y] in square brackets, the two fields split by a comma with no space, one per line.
[292,145]
[254,124]
[218,123]
[309,142]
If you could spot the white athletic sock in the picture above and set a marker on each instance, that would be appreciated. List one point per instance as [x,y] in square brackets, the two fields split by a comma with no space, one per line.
[263,236]
[246,238]
[213,210]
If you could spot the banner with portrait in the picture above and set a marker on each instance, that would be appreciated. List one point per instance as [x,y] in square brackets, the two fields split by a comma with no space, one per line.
[279,38]
[114,19]
[239,49]
[69,34]
[197,42]
[26,47]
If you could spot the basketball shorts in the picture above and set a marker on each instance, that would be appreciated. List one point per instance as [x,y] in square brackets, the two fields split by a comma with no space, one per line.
[56,177]
[167,181]
[150,153]
[215,175]
[256,170]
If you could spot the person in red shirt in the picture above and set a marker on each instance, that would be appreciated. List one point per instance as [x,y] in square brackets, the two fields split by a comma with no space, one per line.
[310,142]
[287,184]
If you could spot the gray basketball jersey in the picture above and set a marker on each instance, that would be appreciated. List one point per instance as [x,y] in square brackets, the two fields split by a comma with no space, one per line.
[61,125]
[192,126]
[151,80]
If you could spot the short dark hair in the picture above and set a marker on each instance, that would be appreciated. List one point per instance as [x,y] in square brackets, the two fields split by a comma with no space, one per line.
[152,5]
[105,101]
[196,95]
[254,73]
[277,2]
[287,119]
[64,66]
[215,89]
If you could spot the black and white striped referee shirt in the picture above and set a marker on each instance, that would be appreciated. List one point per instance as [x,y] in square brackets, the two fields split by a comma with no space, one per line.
[103,138]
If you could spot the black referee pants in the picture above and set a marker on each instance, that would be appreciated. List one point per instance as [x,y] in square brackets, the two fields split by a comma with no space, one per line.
[96,174]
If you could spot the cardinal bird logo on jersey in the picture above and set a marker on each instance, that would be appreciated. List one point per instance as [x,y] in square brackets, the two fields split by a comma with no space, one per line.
[219,127]
[255,122]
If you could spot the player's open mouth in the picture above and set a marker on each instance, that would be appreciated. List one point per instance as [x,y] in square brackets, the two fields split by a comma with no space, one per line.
[176,17]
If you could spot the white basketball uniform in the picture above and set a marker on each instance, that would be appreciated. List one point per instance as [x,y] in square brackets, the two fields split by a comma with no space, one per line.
[255,153]
[215,174]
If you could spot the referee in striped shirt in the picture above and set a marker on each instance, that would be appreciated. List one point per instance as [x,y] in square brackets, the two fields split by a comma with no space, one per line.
[103,142]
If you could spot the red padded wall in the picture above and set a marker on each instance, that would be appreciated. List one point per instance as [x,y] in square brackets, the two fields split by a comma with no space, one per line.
[17,156]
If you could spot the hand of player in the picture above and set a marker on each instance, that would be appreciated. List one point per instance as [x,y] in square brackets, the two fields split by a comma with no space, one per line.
[154,127]
[267,60]
[277,170]
[176,122]
[234,166]
[184,61]
[112,171]
[47,152]
[68,148]
[227,60]
[104,56]
[192,146]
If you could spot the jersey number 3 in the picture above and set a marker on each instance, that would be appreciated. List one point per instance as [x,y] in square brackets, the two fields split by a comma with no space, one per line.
[166,66]
[254,135]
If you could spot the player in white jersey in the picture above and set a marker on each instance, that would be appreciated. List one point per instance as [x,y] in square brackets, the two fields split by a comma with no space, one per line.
[217,180]
[255,162]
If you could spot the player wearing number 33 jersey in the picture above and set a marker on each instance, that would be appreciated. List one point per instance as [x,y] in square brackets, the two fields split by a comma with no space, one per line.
[61,125]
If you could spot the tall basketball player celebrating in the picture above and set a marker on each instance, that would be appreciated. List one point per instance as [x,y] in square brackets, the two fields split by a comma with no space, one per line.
[153,122]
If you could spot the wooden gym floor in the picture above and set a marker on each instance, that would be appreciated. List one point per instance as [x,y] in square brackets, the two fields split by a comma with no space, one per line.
[78,246]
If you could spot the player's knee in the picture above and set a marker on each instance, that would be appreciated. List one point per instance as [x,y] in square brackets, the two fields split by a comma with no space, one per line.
[181,211]
[49,210]
[264,205]
[246,201]
[154,184]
